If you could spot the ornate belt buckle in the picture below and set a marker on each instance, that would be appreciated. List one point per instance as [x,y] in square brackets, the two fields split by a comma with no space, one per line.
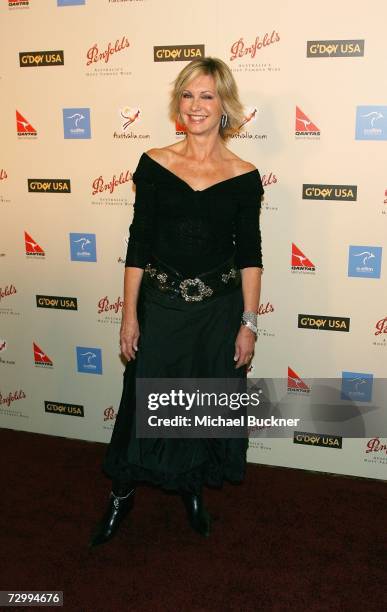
[203,290]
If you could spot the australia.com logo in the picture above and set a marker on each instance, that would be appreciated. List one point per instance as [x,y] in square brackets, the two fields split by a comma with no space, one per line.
[49,185]
[323,322]
[89,360]
[83,247]
[58,302]
[365,261]
[317,439]
[177,53]
[76,123]
[371,123]
[62,408]
[41,58]
[356,386]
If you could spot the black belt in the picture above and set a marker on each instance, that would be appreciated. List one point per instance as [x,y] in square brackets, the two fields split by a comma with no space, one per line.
[204,286]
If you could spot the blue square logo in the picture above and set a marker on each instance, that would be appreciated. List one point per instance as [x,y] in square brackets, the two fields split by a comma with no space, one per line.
[356,386]
[365,261]
[371,123]
[70,2]
[76,123]
[89,360]
[83,247]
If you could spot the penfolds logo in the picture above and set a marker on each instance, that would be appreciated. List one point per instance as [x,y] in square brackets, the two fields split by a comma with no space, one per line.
[95,55]
[104,305]
[269,179]
[262,310]
[11,397]
[374,445]
[3,174]
[7,291]
[240,49]
[381,327]
[100,186]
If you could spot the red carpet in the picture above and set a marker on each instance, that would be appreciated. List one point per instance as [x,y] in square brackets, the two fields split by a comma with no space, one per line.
[284,540]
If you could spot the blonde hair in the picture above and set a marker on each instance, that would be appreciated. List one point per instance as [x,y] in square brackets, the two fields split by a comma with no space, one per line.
[226,88]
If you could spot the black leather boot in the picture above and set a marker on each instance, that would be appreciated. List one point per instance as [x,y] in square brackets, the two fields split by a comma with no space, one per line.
[118,508]
[198,516]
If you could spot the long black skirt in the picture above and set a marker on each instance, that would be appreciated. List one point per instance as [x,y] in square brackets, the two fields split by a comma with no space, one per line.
[178,339]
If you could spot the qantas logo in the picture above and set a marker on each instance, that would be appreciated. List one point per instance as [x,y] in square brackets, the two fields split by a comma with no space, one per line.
[295,383]
[301,263]
[32,247]
[304,126]
[40,357]
[23,127]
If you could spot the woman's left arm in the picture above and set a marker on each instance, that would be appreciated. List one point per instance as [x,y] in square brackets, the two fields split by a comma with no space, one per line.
[249,261]
[245,340]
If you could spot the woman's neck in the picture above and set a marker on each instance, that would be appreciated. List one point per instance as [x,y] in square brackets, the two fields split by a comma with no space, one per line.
[202,147]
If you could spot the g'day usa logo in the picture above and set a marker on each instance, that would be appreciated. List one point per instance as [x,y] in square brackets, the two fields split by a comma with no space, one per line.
[177,53]
[335,48]
[62,408]
[83,247]
[371,123]
[89,360]
[356,386]
[307,321]
[49,186]
[317,439]
[312,191]
[365,261]
[76,123]
[29,59]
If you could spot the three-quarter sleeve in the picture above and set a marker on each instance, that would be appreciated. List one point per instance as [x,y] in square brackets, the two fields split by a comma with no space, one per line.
[248,247]
[141,230]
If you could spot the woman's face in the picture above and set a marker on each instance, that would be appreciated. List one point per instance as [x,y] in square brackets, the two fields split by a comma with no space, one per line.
[200,106]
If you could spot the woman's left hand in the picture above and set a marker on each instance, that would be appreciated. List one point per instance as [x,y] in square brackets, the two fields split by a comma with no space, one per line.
[244,346]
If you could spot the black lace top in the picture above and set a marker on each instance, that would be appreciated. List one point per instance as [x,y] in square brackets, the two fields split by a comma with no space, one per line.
[194,231]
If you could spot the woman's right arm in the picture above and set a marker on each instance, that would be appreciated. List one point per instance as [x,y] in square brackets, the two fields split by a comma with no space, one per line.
[141,234]
[130,331]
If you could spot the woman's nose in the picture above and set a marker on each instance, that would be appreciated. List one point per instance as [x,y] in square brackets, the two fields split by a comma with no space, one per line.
[195,104]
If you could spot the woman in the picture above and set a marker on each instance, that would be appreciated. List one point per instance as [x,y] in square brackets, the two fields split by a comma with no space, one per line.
[191,291]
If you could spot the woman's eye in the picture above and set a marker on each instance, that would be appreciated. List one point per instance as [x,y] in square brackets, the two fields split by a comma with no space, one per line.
[186,95]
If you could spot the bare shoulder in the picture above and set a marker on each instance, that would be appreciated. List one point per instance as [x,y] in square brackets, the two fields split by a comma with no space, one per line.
[240,166]
[162,155]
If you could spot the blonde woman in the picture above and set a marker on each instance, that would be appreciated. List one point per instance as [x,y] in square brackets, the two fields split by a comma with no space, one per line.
[191,291]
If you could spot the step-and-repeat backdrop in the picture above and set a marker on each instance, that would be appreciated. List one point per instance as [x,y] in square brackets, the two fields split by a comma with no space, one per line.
[84,88]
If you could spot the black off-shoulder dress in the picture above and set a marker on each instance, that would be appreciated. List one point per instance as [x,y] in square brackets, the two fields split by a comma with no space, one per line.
[193,232]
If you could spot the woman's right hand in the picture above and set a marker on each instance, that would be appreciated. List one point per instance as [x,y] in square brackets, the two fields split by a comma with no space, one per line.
[129,335]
